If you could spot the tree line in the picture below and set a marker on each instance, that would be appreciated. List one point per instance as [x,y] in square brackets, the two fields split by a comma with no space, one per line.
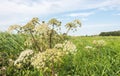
[111,33]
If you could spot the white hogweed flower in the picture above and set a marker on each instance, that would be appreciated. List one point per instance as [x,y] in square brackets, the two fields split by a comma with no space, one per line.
[94,42]
[38,60]
[41,59]
[13,27]
[89,47]
[42,29]
[69,47]
[99,42]
[23,56]
[58,46]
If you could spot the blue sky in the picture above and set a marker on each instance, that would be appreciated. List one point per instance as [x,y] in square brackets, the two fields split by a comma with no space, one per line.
[95,15]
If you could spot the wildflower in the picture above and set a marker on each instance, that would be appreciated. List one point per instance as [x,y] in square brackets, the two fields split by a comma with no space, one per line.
[99,42]
[94,42]
[31,24]
[41,59]
[38,60]
[42,29]
[88,47]
[58,46]
[23,55]
[13,27]
[69,47]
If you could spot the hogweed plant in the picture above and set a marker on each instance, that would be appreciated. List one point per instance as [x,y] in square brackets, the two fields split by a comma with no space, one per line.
[49,43]
[23,61]
[99,43]
[23,56]
[46,61]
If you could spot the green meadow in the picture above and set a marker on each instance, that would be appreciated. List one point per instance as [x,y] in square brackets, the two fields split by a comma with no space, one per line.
[90,59]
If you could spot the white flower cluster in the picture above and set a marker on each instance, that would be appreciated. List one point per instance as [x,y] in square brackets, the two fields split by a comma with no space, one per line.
[58,46]
[88,47]
[99,42]
[42,59]
[13,27]
[38,60]
[23,56]
[42,29]
[67,47]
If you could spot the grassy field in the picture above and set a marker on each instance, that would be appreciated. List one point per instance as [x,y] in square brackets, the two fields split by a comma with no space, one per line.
[101,61]
[91,59]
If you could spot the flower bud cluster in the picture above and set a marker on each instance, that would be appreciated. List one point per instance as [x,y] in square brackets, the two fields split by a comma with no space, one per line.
[99,43]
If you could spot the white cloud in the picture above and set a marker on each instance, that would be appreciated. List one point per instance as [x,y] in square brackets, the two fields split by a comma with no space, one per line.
[45,7]
[85,14]
[9,7]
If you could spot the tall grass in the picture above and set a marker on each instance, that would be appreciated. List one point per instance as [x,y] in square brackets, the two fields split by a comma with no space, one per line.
[101,61]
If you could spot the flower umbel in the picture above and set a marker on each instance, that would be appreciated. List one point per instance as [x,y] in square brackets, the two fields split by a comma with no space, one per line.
[23,56]
[99,43]
[42,60]
[69,47]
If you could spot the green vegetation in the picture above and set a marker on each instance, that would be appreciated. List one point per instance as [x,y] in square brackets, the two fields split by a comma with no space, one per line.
[101,61]
[40,49]
[112,33]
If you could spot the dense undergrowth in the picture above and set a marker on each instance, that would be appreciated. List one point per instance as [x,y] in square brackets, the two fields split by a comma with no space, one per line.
[90,59]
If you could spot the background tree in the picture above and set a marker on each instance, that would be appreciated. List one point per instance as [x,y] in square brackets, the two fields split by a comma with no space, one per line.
[111,33]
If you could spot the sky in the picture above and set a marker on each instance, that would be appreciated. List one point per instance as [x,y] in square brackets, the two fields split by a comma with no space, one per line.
[95,15]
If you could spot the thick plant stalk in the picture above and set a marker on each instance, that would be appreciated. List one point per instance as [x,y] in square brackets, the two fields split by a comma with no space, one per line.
[53,72]
[68,30]
[51,34]
[35,41]
[50,45]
